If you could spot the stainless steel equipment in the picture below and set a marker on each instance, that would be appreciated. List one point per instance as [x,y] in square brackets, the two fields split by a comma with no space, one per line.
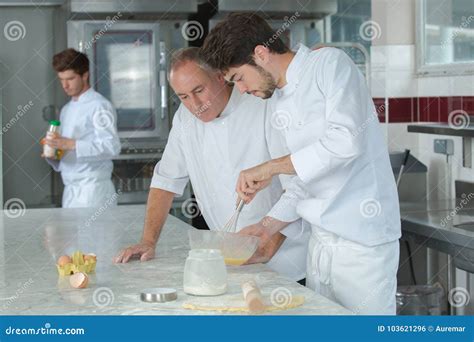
[414,184]
[89,8]
[316,9]
[402,167]
[133,172]
[294,21]
[129,44]
[146,32]
[299,22]
[126,68]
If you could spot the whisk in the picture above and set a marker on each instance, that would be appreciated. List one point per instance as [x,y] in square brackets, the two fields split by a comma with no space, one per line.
[231,225]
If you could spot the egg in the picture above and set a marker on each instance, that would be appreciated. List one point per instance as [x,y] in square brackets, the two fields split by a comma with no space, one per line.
[79,280]
[63,260]
[91,257]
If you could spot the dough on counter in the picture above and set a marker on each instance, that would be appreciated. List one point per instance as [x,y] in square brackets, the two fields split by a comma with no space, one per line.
[236,304]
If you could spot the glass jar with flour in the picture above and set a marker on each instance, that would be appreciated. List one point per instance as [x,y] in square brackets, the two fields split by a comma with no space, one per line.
[205,273]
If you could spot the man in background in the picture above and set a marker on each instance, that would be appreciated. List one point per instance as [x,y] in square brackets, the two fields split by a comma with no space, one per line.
[88,136]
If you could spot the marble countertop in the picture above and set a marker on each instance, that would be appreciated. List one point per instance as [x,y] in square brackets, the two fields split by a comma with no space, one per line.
[32,240]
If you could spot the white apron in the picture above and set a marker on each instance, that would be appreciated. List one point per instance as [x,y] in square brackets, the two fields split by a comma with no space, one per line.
[90,190]
[363,279]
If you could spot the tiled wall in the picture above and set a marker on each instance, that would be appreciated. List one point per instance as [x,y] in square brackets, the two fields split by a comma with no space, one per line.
[402,97]
[411,98]
[422,109]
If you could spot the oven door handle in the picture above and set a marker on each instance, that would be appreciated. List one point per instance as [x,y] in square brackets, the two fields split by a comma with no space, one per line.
[163,81]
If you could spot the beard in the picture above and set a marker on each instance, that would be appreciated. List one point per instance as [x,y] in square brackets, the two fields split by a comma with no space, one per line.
[268,85]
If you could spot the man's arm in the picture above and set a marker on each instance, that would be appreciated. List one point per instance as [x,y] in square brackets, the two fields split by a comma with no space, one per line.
[266,230]
[264,253]
[256,178]
[158,206]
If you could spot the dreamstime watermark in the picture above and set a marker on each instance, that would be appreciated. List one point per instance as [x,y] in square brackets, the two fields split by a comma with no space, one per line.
[267,223]
[192,30]
[370,208]
[102,297]
[18,293]
[14,30]
[462,203]
[289,201]
[190,208]
[46,330]
[14,208]
[458,119]
[187,120]
[21,110]
[202,109]
[466,21]
[108,24]
[458,297]
[103,119]
[112,200]
[370,297]
[364,125]
[288,22]
[281,120]
[370,30]
[380,110]
[465,24]
[281,297]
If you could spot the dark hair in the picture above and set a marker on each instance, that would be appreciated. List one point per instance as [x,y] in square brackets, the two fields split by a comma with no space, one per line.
[232,41]
[71,59]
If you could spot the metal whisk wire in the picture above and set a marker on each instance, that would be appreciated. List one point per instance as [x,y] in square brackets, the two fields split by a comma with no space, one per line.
[231,225]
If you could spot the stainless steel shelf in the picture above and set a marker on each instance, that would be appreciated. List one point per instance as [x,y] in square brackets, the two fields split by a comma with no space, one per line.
[442,129]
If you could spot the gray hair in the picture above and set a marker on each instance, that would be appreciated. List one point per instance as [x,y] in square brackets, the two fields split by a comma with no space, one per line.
[189,54]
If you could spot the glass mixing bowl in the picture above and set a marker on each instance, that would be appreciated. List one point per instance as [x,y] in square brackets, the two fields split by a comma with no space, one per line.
[235,248]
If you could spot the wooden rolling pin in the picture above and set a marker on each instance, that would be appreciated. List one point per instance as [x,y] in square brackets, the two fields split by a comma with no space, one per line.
[253,297]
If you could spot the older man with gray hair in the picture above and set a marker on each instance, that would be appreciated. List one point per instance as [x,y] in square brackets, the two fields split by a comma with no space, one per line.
[217,133]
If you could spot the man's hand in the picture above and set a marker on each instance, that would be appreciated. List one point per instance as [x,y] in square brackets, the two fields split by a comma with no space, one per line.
[143,250]
[252,181]
[61,143]
[258,230]
[265,229]
[265,253]
[259,177]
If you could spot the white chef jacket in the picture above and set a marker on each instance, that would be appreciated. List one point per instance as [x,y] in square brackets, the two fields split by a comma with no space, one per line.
[212,155]
[86,171]
[338,150]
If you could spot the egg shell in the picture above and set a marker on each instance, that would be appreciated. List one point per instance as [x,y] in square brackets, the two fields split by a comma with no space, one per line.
[64,259]
[79,280]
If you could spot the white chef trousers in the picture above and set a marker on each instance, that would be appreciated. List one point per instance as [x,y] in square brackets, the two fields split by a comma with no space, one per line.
[362,279]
